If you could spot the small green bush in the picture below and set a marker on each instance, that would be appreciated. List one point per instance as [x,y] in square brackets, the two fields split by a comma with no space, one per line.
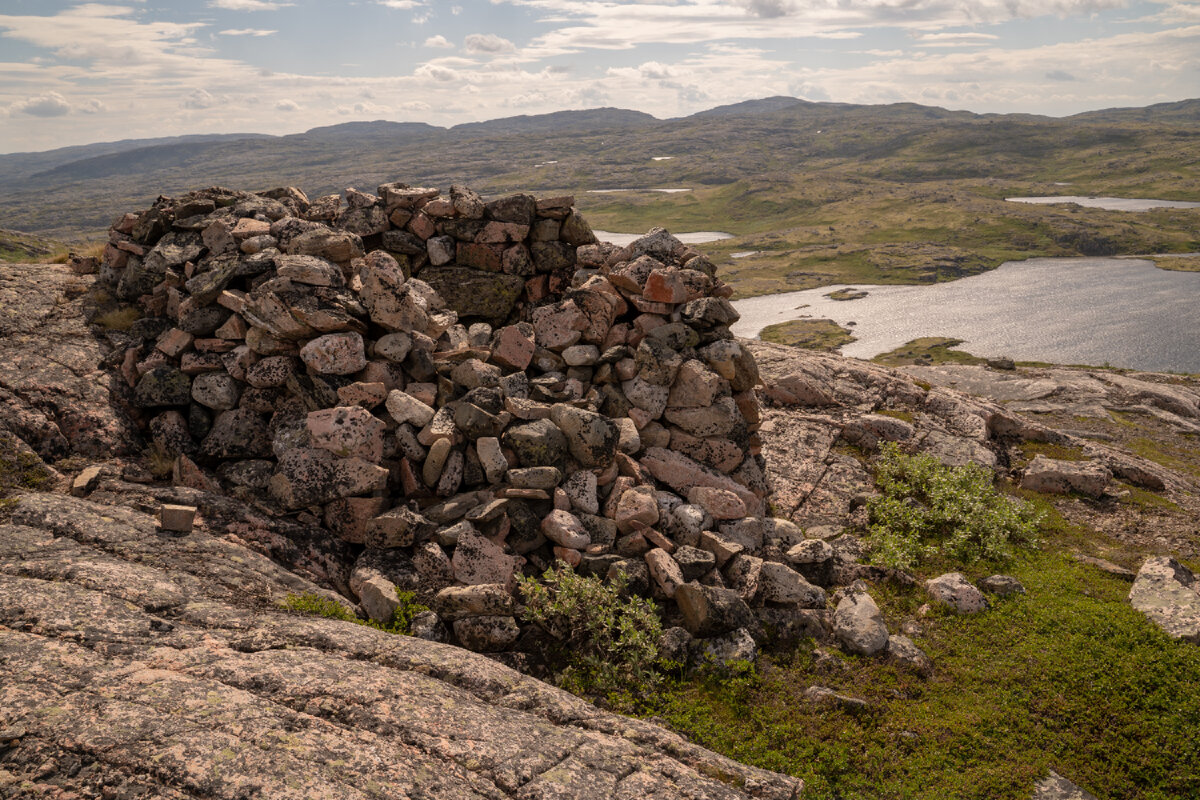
[317,605]
[608,645]
[928,509]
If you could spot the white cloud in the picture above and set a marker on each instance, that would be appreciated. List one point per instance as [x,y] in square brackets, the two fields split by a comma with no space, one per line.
[249,5]
[198,99]
[487,44]
[51,104]
[436,72]
[287,105]
[439,41]
[402,5]
[247,32]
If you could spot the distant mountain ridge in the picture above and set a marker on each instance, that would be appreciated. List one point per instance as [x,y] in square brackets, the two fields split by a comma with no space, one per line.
[74,191]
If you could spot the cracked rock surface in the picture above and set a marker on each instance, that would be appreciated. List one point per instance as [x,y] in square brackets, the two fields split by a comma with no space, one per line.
[143,664]
[53,392]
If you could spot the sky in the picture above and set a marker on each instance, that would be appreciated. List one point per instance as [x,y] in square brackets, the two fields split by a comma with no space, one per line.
[75,73]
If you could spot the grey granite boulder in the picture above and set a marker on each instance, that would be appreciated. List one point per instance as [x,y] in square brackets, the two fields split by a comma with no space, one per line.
[858,625]
[954,590]
[1056,787]
[1169,595]
[1061,477]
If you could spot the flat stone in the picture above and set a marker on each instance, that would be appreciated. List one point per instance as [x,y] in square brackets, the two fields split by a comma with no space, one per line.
[635,508]
[486,634]
[693,562]
[901,650]
[1056,787]
[1043,474]
[514,346]
[398,527]
[696,386]
[720,504]
[591,437]
[1001,585]
[810,551]
[86,481]
[348,432]
[216,390]
[1169,595]
[177,518]
[163,386]
[478,560]
[403,408]
[478,600]
[782,585]
[580,489]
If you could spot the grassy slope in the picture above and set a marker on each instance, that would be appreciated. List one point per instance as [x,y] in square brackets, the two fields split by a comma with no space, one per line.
[1067,677]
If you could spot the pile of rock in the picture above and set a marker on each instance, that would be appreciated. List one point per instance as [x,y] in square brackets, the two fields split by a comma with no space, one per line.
[469,390]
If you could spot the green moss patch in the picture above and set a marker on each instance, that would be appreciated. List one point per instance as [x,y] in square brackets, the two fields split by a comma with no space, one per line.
[928,350]
[811,334]
[1068,677]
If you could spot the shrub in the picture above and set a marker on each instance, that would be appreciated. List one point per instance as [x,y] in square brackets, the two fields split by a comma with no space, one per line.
[608,645]
[928,509]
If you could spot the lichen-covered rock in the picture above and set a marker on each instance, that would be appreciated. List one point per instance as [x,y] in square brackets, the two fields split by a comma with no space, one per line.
[335,353]
[472,293]
[1169,595]
[858,624]
[710,610]
[955,591]
[163,386]
[591,437]
[1060,477]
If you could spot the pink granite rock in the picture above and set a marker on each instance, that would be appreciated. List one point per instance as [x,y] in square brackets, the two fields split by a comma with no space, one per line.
[636,507]
[564,528]
[335,353]
[720,503]
[347,431]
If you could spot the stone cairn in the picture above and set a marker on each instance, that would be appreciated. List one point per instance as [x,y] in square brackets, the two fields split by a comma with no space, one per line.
[469,390]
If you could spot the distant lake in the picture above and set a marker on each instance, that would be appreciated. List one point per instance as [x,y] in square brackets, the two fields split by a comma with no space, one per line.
[1107,203]
[1122,311]
[696,237]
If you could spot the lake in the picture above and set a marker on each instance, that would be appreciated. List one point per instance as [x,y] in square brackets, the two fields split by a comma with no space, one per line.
[695,237]
[1121,311]
[1107,203]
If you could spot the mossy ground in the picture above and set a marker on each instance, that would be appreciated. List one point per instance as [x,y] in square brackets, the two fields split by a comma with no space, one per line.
[20,470]
[1066,677]
[928,350]
[811,334]
[319,606]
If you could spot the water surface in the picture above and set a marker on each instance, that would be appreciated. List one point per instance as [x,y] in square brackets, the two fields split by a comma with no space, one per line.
[695,237]
[1107,203]
[1121,311]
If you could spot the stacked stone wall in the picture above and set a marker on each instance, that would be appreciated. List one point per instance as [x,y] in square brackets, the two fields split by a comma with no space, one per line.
[467,389]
